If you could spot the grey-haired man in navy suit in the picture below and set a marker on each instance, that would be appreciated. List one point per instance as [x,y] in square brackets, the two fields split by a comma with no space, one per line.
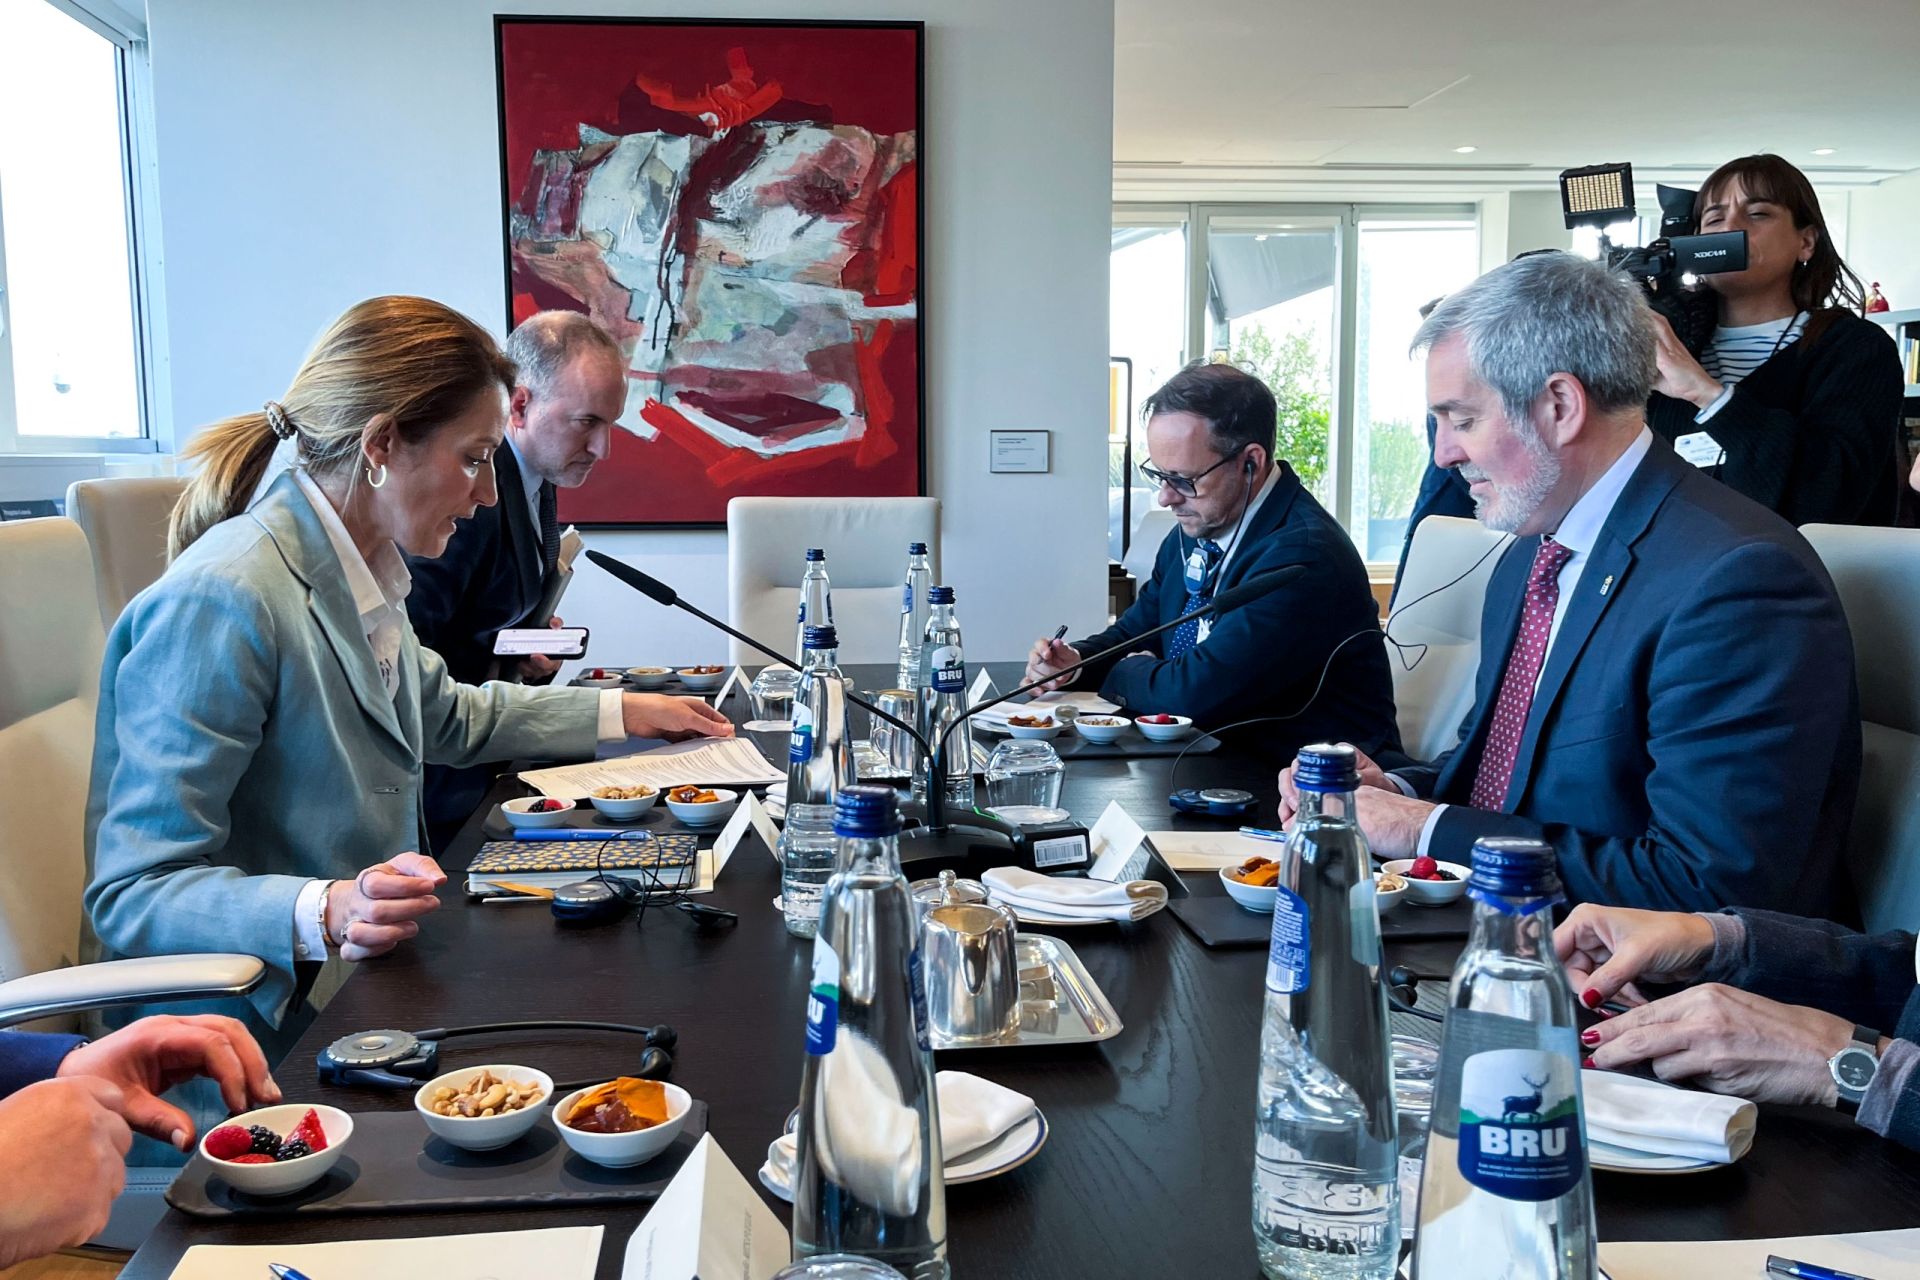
[1666,687]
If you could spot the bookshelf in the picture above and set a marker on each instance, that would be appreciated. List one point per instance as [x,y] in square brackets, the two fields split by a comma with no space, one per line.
[1905,328]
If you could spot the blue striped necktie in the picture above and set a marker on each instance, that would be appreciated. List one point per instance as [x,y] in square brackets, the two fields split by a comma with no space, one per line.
[1199,579]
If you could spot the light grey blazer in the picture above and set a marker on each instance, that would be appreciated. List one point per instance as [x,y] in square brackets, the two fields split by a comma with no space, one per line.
[246,744]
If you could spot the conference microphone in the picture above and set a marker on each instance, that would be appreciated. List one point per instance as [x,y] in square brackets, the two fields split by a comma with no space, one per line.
[654,589]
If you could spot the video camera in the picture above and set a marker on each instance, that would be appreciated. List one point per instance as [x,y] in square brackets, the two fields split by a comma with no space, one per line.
[1668,268]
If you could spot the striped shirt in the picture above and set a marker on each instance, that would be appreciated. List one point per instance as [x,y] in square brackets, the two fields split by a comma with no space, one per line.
[1735,353]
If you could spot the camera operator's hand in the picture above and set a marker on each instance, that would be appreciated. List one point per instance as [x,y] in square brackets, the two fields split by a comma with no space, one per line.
[1680,374]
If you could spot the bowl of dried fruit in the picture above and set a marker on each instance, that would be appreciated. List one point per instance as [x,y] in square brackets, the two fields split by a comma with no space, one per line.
[702,806]
[1038,727]
[277,1151]
[1429,883]
[623,1122]
[623,804]
[537,811]
[481,1108]
[702,679]
[1253,884]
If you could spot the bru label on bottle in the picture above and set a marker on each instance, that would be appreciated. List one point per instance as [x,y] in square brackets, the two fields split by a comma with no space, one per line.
[1287,957]
[917,994]
[823,999]
[949,670]
[800,737]
[906,597]
[1520,1132]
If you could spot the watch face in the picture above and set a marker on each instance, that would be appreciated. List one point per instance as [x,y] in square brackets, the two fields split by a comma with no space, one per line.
[1854,1068]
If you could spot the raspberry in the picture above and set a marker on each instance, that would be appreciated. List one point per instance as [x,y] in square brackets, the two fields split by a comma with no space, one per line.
[252,1157]
[229,1141]
[265,1140]
[292,1149]
[310,1132]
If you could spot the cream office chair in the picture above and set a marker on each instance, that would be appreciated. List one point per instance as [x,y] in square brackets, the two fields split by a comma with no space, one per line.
[125,520]
[866,544]
[50,642]
[1878,574]
[1150,529]
[1435,696]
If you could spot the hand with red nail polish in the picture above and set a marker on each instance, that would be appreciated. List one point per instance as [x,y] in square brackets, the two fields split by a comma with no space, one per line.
[1591,1036]
[1729,1041]
[1608,949]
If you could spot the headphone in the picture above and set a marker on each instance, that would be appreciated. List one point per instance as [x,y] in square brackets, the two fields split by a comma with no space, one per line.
[389,1059]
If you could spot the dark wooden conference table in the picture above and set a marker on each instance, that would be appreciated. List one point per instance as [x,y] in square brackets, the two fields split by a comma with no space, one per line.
[1148,1169]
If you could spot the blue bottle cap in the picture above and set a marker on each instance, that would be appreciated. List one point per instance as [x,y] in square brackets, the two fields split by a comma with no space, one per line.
[1515,872]
[820,638]
[815,553]
[1327,766]
[939,595]
[866,813]
[916,548]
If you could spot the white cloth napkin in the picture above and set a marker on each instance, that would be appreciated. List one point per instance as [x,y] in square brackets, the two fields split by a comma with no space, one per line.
[973,1113]
[1648,1115]
[1071,898]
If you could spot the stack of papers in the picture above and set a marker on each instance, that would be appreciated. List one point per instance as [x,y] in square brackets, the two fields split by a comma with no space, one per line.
[558,1253]
[1210,850]
[1880,1254]
[722,762]
[1087,704]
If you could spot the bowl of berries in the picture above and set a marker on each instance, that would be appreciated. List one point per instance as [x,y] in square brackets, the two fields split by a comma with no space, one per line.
[537,811]
[277,1151]
[1163,727]
[1429,883]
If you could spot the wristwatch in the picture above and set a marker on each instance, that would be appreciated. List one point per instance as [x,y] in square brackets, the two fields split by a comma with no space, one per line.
[1854,1067]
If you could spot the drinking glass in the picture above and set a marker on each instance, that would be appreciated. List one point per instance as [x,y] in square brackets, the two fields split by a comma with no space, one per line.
[1024,772]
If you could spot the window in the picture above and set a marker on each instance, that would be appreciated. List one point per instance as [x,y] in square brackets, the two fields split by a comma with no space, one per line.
[70,327]
[1319,301]
[1147,334]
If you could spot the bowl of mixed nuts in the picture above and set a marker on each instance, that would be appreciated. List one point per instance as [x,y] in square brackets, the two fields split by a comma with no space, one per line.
[481,1108]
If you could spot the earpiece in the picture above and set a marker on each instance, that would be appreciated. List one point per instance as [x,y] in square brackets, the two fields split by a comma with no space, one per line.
[1249,469]
[655,1063]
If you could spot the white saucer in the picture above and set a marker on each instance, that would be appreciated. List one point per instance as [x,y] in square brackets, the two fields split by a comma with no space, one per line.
[1604,1155]
[1008,1152]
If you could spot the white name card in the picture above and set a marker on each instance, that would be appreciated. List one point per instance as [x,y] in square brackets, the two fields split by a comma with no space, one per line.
[707,1225]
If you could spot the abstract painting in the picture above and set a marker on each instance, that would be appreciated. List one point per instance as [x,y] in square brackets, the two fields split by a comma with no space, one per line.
[739,204]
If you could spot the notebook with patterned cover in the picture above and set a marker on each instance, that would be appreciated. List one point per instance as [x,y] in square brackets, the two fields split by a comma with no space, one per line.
[548,864]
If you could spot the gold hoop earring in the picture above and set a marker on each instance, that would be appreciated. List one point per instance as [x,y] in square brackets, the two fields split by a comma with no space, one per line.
[373,483]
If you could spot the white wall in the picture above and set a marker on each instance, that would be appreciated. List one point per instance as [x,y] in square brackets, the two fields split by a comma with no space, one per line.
[314,154]
[1882,243]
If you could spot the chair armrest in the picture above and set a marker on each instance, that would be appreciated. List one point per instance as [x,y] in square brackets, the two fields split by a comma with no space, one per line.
[138,981]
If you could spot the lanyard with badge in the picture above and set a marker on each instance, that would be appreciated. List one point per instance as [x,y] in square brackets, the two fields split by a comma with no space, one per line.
[1699,447]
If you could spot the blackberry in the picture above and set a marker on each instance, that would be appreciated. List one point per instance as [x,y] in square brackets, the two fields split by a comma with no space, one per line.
[293,1149]
[265,1140]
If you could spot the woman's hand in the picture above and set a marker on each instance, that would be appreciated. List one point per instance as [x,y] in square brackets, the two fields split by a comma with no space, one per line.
[1727,1041]
[381,907]
[1607,949]
[655,715]
[1680,374]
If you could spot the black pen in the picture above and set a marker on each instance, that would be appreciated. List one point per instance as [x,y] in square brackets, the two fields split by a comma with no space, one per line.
[1061,632]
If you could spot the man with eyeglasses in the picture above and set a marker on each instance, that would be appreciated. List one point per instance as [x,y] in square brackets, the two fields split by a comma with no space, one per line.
[1306,658]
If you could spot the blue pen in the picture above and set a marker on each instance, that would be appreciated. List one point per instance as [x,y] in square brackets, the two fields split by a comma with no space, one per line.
[1263,833]
[579,833]
[1807,1270]
[285,1273]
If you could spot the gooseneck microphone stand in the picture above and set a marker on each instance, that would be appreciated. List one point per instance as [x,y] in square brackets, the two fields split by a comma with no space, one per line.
[937,837]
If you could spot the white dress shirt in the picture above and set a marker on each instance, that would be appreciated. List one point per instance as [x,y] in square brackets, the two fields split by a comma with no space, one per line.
[1238,534]
[1578,532]
[379,591]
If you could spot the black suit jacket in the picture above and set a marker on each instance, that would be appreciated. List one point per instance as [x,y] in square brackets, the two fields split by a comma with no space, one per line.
[1265,658]
[1694,742]
[487,579]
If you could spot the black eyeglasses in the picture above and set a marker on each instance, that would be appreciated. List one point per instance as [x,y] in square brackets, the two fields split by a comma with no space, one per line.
[1187,486]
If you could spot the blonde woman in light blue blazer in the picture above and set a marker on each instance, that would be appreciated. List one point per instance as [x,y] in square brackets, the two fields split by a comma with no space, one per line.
[265,709]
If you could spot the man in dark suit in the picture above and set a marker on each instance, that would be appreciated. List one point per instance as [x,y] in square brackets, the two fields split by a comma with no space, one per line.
[1666,687]
[1239,513]
[69,1110]
[568,395]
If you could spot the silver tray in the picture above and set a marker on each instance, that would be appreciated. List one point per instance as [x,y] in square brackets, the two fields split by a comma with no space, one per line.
[1060,1003]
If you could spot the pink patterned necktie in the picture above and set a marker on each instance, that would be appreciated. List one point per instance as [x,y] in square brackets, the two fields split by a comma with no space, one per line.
[1523,673]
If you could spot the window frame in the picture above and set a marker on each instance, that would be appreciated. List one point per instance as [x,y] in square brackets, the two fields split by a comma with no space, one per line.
[1345,218]
[133,90]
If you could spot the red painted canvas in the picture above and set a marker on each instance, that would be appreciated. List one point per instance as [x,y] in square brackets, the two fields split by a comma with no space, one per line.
[739,204]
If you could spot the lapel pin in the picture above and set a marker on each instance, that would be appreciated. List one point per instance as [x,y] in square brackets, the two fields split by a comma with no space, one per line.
[1606,585]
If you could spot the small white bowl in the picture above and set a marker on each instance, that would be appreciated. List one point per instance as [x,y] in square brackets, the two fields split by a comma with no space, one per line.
[704,682]
[1101,729]
[484,1133]
[284,1177]
[1036,733]
[624,1150]
[624,810]
[709,814]
[1180,728]
[518,814]
[1430,893]
[1254,897]
[1387,899]
[649,677]
[611,680]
